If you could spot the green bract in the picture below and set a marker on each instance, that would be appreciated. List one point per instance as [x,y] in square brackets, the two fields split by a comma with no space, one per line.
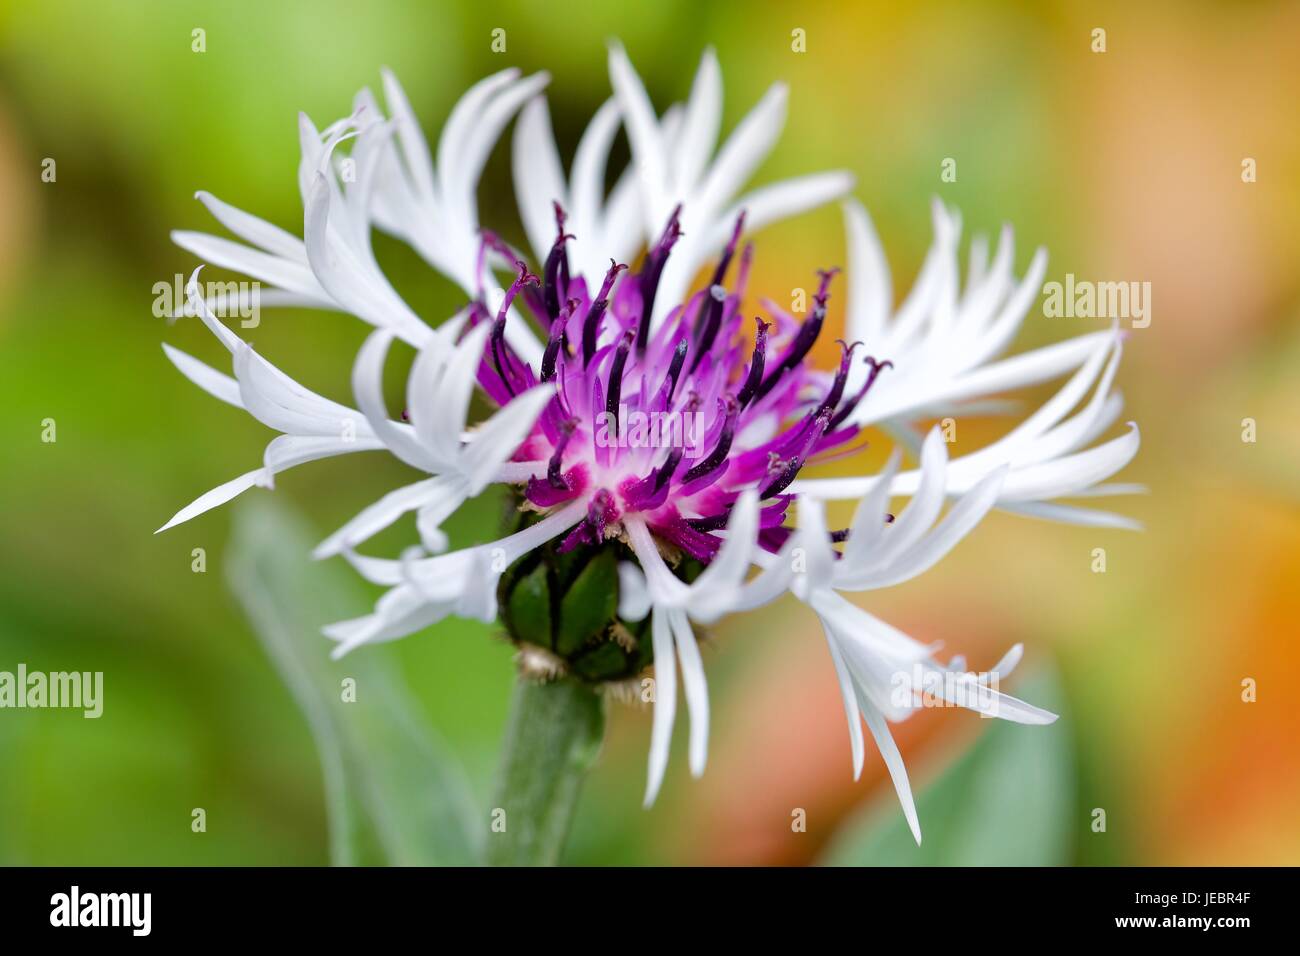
[566,604]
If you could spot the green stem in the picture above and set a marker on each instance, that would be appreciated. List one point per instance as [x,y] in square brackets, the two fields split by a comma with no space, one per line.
[552,739]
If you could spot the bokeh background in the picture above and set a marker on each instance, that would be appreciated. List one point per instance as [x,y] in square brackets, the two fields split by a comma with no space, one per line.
[1126,164]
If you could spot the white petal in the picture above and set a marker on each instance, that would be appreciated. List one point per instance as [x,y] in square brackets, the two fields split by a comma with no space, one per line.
[1003,329]
[461,178]
[539,178]
[648,149]
[497,439]
[1069,514]
[633,594]
[350,281]
[985,292]
[699,134]
[367,386]
[746,147]
[1010,659]
[439,433]
[665,587]
[819,555]
[292,276]
[1066,476]
[445,418]
[250,228]
[781,200]
[587,191]
[288,451]
[378,516]
[281,403]
[849,697]
[966,691]
[217,496]
[661,731]
[400,612]
[871,295]
[697,691]
[919,515]
[960,521]
[216,384]
[415,149]
[894,762]
[869,519]
[715,590]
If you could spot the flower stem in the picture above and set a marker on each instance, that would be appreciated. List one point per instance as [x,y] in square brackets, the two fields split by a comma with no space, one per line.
[552,739]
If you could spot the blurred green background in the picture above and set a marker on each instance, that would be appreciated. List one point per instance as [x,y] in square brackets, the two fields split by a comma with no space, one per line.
[1126,164]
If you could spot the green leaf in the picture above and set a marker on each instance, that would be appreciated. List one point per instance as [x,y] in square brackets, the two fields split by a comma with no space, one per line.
[1007,802]
[394,795]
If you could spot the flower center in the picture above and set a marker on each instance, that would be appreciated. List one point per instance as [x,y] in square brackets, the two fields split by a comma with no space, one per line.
[669,422]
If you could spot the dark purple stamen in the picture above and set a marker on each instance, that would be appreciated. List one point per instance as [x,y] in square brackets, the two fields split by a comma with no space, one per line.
[552,272]
[560,217]
[788,471]
[553,476]
[525,278]
[712,523]
[591,325]
[720,272]
[498,353]
[598,512]
[490,240]
[591,530]
[833,397]
[823,288]
[719,454]
[755,376]
[649,278]
[665,471]
[805,337]
[707,331]
[616,377]
[852,403]
[742,270]
[499,356]
[799,349]
[675,369]
[555,342]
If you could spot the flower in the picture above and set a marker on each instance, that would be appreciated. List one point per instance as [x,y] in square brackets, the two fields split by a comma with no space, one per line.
[654,438]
